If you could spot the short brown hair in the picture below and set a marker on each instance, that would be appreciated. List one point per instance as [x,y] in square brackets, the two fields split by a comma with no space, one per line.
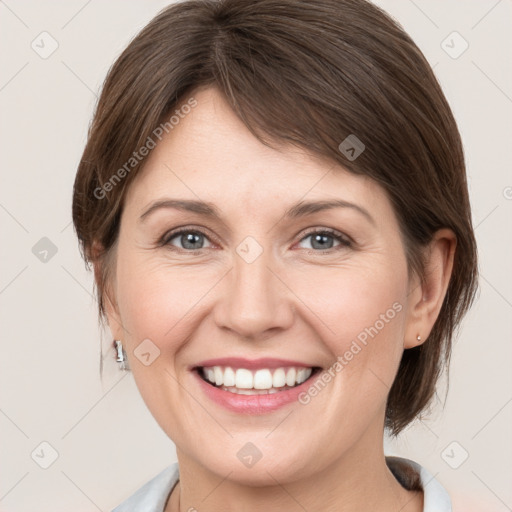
[308,73]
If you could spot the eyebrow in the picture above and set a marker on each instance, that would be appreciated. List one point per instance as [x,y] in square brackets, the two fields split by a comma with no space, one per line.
[300,209]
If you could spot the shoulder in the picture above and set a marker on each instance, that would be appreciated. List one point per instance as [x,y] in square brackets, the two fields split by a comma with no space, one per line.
[152,496]
[415,477]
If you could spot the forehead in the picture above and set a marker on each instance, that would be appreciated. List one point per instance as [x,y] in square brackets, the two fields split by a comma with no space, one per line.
[212,156]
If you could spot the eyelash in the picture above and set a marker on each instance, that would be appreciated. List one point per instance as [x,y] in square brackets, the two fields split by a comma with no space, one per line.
[345,241]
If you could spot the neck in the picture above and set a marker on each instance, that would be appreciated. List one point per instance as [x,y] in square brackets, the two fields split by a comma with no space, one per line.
[358,480]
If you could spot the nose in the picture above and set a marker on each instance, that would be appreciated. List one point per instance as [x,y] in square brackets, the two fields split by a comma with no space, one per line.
[256,302]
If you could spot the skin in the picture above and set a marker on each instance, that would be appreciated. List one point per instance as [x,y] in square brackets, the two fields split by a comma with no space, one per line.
[297,300]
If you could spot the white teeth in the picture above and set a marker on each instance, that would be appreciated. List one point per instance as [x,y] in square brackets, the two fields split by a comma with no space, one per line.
[244,392]
[279,378]
[290,377]
[245,381]
[229,377]
[219,375]
[262,379]
[303,374]
[299,378]
[252,391]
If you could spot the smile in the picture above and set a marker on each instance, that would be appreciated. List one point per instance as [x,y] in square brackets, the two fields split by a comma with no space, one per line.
[253,386]
[255,382]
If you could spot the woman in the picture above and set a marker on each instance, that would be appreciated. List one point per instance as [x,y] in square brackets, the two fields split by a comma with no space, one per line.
[273,198]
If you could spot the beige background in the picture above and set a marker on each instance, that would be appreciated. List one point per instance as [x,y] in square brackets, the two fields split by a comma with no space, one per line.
[107,442]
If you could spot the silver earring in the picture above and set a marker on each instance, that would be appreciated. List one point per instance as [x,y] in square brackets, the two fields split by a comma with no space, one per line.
[418,337]
[121,355]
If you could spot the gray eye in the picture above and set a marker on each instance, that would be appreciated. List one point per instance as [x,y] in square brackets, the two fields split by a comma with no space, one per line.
[324,240]
[188,240]
[321,241]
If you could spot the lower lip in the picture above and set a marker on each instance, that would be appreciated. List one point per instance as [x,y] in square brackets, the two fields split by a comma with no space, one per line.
[251,404]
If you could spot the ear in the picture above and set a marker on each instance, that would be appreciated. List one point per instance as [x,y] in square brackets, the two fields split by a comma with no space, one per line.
[427,293]
[109,299]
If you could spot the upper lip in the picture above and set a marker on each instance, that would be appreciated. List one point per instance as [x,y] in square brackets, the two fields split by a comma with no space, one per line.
[252,364]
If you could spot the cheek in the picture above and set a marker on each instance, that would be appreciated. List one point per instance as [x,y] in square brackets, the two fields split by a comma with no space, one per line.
[361,315]
[156,302]
[157,299]
[361,320]
[350,298]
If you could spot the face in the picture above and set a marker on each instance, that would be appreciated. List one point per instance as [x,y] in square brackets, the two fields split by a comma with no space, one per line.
[264,294]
